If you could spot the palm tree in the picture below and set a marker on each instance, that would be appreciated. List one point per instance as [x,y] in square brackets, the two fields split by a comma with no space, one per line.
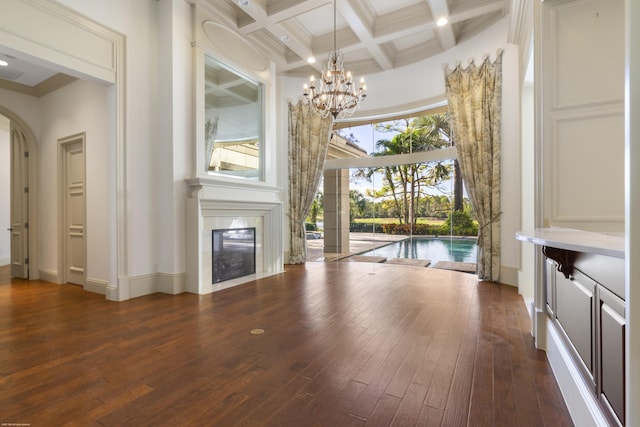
[437,127]
[406,183]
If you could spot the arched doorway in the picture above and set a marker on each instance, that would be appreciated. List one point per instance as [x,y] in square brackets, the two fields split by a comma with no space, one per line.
[24,198]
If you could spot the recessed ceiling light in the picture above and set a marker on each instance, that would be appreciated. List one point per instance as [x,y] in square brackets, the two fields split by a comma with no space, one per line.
[243,3]
[311,60]
[3,63]
[442,22]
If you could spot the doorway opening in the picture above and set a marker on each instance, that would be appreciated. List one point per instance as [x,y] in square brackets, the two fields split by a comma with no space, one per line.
[18,150]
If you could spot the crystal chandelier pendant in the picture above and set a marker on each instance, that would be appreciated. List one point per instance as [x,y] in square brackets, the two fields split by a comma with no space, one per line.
[335,94]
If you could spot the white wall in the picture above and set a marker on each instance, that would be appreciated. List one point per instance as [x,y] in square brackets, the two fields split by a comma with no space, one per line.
[510,181]
[24,106]
[79,107]
[175,136]
[5,188]
[146,128]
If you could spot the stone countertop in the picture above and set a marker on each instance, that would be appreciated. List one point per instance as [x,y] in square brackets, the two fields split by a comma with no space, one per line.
[610,244]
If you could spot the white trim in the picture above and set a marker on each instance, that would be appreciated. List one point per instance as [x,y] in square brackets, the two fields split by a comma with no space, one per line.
[48,275]
[201,206]
[34,191]
[391,160]
[88,50]
[165,283]
[62,206]
[96,285]
[578,394]
[509,275]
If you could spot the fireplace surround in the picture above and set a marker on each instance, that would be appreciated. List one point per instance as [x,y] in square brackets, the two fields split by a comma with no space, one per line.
[213,207]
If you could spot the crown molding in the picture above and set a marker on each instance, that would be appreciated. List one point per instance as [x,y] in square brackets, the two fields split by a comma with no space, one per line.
[43,88]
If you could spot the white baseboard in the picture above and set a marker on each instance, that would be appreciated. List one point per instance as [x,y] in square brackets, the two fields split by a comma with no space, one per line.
[5,261]
[49,276]
[167,283]
[509,275]
[96,285]
[578,394]
[171,283]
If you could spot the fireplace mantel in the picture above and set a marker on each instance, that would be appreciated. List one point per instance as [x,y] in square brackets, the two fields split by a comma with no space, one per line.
[217,203]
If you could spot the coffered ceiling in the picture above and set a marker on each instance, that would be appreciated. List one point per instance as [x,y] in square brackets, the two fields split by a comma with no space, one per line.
[374,35]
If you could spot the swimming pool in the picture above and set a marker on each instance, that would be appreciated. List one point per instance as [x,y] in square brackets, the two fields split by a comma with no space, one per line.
[432,248]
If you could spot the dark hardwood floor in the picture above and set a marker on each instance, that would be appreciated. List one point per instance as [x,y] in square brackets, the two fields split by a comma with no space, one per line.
[344,344]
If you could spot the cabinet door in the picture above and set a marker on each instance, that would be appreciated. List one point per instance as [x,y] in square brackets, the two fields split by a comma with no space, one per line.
[612,329]
[575,314]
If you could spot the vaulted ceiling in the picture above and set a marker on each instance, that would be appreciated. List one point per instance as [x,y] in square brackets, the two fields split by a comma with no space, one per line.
[374,35]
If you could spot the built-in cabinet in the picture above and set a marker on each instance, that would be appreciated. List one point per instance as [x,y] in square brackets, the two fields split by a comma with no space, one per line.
[583,294]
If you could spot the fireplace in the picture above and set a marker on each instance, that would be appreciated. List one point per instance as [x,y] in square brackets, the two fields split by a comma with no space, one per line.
[233,253]
[214,207]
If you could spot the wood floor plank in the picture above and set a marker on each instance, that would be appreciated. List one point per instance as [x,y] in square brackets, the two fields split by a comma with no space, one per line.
[344,344]
[384,411]
[456,412]
[408,412]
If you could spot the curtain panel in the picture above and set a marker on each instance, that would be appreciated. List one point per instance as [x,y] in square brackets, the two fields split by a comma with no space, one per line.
[475,97]
[309,136]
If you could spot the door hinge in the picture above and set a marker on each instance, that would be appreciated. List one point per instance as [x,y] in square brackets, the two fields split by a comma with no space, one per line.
[26,260]
[26,154]
[26,189]
[26,225]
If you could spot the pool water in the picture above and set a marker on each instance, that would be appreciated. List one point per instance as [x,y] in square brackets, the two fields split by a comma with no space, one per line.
[434,249]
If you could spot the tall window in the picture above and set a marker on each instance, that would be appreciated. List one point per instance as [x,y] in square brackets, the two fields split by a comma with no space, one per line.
[405,183]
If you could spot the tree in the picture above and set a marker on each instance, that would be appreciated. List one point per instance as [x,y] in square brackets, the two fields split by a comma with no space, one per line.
[357,204]
[438,127]
[405,185]
[316,209]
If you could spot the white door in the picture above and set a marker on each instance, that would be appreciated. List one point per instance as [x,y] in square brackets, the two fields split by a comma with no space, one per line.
[73,174]
[19,205]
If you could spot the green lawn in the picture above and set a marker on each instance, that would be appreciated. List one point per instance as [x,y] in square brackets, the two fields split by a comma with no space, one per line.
[431,221]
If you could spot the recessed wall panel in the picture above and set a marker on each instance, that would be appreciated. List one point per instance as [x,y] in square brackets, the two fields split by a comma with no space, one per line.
[589,55]
[588,172]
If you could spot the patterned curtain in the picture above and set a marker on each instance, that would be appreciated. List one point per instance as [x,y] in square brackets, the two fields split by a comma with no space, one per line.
[309,136]
[210,131]
[475,99]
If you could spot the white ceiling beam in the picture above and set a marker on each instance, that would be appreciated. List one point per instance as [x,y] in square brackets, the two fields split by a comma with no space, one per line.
[271,23]
[474,12]
[440,9]
[364,33]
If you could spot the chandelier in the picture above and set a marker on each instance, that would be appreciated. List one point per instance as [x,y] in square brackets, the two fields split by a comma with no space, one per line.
[336,94]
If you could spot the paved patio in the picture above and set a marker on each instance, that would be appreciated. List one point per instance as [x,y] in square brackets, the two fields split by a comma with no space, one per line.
[358,243]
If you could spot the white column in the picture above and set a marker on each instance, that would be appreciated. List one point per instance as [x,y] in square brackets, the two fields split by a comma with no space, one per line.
[336,211]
